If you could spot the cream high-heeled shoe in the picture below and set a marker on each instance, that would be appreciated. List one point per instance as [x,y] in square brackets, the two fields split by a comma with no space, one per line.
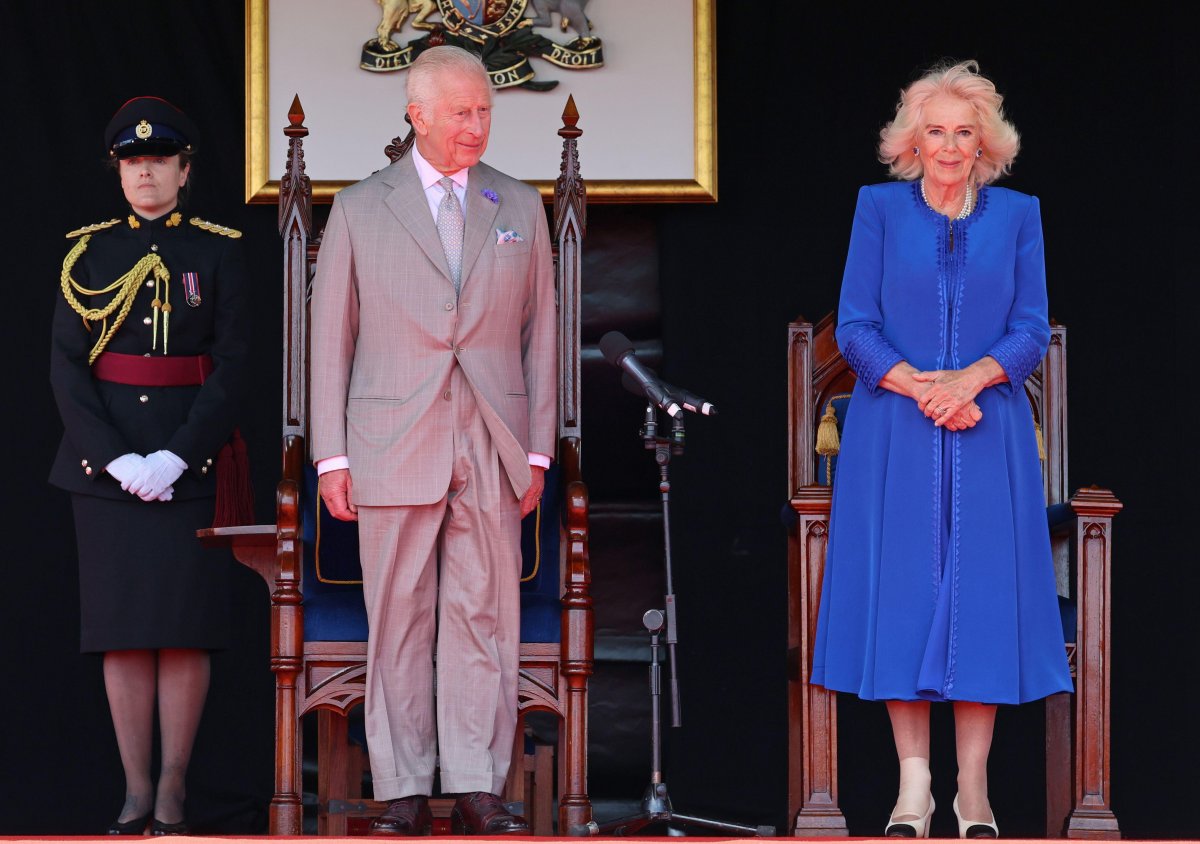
[975,829]
[915,828]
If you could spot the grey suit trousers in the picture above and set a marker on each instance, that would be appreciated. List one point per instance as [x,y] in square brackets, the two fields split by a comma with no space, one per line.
[444,578]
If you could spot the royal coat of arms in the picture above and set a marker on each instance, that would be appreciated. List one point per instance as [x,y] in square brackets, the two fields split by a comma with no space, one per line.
[499,31]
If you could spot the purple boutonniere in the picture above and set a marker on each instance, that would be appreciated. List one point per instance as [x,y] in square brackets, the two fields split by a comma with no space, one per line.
[491,195]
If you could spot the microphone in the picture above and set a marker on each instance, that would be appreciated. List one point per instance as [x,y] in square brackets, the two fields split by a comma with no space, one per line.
[689,400]
[618,351]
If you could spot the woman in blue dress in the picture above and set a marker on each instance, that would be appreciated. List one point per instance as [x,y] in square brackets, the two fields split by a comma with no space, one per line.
[939,583]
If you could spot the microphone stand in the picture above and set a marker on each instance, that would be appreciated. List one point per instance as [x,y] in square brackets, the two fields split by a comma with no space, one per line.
[656,802]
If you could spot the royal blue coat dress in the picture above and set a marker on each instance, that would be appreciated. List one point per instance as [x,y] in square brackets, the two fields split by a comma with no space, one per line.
[939,583]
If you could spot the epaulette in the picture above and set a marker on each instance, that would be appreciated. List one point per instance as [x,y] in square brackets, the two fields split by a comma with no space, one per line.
[94,227]
[215,228]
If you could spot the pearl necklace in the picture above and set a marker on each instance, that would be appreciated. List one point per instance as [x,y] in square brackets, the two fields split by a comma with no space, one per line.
[968,201]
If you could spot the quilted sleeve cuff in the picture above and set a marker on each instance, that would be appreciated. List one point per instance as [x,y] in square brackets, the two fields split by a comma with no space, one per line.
[871,356]
[1018,355]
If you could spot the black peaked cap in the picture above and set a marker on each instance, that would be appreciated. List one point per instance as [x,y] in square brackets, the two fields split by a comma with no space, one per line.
[149,126]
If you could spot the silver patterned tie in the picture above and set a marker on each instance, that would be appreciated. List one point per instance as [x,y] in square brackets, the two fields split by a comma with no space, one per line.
[450,226]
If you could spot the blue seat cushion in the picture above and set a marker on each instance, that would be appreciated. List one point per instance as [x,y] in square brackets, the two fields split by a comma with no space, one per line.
[334,542]
[333,601]
[541,606]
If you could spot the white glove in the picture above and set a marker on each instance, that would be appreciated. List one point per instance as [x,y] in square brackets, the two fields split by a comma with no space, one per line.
[125,468]
[160,470]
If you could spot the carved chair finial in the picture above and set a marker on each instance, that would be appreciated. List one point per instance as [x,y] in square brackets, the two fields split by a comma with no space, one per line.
[570,114]
[296,112]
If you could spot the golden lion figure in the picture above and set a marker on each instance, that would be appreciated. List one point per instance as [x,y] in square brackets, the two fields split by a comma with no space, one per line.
[396,11]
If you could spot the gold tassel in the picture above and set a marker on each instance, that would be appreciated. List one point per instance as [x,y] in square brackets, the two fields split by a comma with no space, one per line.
[1037,430]
[828,442]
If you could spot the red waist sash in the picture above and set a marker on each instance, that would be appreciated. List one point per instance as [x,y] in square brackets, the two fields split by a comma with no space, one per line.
[158,371]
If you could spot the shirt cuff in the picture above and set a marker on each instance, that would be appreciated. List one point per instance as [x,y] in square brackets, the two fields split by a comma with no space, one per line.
[329,464]
[540,460]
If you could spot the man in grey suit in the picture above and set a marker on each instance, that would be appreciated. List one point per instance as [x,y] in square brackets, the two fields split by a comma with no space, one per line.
[433,418]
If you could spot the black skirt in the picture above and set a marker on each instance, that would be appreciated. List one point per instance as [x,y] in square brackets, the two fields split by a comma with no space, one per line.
[145,582]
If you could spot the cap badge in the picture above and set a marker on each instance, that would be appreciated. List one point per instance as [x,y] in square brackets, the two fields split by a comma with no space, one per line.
[143,130]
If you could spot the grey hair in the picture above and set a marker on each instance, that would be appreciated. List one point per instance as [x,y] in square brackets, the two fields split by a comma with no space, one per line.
[422,84]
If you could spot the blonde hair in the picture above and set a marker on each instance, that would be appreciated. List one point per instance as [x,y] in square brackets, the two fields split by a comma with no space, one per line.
[421,87]
[998,138]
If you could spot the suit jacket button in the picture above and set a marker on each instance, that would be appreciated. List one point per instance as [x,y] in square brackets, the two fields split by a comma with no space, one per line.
[153,247]
[87,470]
[446,395]
[449,306]
[143,398]
[203,470]
[146,320]
[83,463]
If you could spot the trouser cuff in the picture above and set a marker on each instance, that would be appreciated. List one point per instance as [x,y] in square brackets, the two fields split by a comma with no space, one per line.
[393,788]
[460,782]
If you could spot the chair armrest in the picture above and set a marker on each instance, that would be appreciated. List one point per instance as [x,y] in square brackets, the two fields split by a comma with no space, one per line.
[577,619]
[812,500]
[578,567]
[1089,505]
[270,550]
[252,545]
[1095,501]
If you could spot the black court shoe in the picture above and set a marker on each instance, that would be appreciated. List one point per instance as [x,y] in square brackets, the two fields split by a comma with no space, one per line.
[162,828]
[137,826]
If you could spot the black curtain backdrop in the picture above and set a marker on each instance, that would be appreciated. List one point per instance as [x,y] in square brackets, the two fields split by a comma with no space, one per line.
[1105,109]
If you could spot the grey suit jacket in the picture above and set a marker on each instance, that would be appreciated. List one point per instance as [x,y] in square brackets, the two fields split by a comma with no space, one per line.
[386,333]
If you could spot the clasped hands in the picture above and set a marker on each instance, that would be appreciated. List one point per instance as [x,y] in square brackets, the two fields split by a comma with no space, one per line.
[947,396]
[150,478]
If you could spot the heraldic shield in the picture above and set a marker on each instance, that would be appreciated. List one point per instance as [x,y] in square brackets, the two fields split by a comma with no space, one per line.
[499,31]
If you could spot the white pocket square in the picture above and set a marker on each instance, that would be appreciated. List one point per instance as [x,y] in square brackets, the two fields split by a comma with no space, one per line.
[509,236]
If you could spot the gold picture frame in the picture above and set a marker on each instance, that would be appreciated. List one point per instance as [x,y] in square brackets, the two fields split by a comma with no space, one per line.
[262,186]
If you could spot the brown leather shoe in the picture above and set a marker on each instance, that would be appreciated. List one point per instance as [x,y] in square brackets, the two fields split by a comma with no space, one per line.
[481,813]
[406,816]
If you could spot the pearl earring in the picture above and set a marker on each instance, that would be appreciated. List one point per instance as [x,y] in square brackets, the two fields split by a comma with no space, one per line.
[979,152]
[916,151]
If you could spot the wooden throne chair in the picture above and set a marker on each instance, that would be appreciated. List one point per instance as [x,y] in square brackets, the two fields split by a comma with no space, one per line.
[318,622]
[1078,799]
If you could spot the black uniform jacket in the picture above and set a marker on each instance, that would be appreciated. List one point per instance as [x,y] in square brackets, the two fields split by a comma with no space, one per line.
[104,420]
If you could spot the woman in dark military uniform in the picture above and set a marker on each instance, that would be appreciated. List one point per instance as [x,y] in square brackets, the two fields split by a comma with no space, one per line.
[148,370]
